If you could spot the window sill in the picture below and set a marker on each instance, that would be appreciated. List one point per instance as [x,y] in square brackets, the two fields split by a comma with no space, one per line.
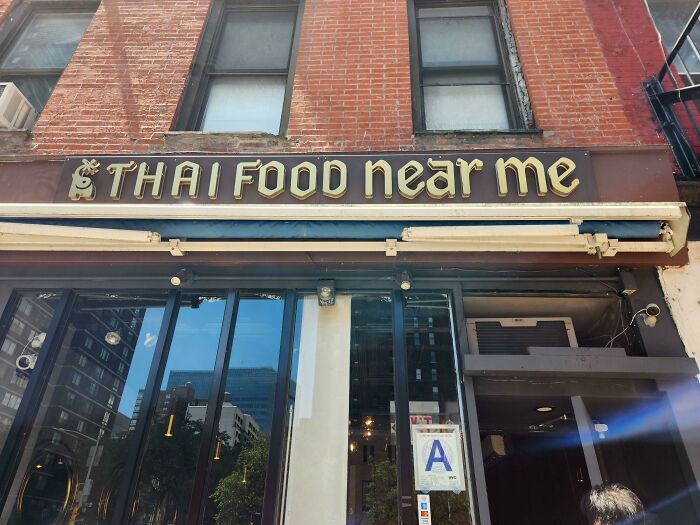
[199,141]
[482,132]
[13,138]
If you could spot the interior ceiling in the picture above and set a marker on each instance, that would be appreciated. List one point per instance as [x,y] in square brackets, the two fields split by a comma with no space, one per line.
[515,414]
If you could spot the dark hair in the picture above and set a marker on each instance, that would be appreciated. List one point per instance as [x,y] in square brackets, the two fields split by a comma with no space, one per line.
[612,504]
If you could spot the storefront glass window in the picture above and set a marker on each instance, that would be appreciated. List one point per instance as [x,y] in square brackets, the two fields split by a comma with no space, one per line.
[174,437]
[341,453]
[73,460]
[236,483]
[435,407]
[19,349]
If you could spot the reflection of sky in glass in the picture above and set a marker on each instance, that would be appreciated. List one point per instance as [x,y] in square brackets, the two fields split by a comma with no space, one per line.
[256,340]
[141,362]
[196,338]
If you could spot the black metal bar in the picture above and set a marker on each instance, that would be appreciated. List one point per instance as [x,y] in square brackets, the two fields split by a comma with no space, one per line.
[129,482]
[216,398]
[681,148]
[271,507]
[578,365]
[475,461]
[679,95]
[404,461]
[679,43]
[26,412]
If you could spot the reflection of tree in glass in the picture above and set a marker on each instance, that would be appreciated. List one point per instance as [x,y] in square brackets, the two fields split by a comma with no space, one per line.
[448,507]
[381,497]
[169,460]
[239,496]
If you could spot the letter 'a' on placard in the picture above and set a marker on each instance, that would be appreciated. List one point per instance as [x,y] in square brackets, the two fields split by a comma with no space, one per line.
[424,517]
[438,458]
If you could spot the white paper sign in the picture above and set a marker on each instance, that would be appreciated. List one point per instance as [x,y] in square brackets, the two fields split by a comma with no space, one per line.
[437,458]
[424,517]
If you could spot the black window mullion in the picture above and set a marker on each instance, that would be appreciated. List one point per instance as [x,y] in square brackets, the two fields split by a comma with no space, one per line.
[129,482]
[275,465]
[216,397]
[404,461]
[416,68]
[31,399]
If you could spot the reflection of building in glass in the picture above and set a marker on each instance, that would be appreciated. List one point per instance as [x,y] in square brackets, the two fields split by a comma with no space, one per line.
[250,389]
[239,426]
[85,400]
[31,318]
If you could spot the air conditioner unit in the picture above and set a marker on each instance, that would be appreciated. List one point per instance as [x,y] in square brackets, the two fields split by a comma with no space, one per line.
[515,335]
[16,112]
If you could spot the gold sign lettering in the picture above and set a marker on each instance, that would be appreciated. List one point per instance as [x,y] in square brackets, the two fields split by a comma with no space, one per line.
[520,168]
[465,171]
[214,181]
[186,173]
[278,169]
[118,172]
[404,180]
[144,177]
[242,178]
[341,169]
[556,178]
[296,190]
[383,167]
[445,177]
[82,186]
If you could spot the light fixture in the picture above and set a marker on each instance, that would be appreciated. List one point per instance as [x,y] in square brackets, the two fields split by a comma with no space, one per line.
[245,475]
[217,453]
[369,421]
[38,340]
[601,429]
[326,292]
[353,446]
[113,338]
[367,434]
[544,409]
[183,277]
[38,466]
[169,431]
[651,312]
[405,281]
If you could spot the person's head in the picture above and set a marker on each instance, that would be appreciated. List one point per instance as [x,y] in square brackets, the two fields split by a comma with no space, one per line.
[612,504]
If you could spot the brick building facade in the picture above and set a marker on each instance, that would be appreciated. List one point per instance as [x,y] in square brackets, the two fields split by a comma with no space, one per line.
[435,226]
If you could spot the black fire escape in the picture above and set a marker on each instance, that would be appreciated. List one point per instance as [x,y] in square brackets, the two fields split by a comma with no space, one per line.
[674,95]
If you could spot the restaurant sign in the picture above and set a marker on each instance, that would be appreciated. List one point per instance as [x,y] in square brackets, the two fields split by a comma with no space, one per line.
[353,179]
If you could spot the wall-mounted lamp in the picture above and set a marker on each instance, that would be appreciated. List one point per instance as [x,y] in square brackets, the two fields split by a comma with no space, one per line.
[183,277]
[245,475]
[217,452]
[113,338]
[405,281]
[601,429]
[169,431]
[326,292]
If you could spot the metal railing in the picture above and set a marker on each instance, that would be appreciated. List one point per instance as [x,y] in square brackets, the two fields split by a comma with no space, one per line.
[674,95]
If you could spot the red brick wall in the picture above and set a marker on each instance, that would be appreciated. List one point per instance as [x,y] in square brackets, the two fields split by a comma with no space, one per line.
[584,61]
[123,84]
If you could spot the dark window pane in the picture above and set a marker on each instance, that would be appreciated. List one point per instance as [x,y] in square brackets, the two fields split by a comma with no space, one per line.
[434,407]
[670,19]
[48,41]
[174,437]
[244,104]
[236,484]
[341,451]
[256,40]
[457,41]
[36,88]
[73,462]
[465,107]
[24,337]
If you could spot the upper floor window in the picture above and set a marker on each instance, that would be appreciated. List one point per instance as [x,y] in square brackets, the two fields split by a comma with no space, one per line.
[462,78]
[243,85]
[40,50]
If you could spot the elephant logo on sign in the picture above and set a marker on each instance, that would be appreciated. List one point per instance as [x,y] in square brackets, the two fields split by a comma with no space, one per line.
[82,186]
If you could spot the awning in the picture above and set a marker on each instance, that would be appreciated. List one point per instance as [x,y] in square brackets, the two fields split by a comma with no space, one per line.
[597,229]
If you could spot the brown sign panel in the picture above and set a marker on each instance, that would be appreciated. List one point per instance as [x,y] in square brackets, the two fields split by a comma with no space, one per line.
[392,178]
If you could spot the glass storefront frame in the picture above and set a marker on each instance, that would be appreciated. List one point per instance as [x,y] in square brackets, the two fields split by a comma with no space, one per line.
[455,289]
